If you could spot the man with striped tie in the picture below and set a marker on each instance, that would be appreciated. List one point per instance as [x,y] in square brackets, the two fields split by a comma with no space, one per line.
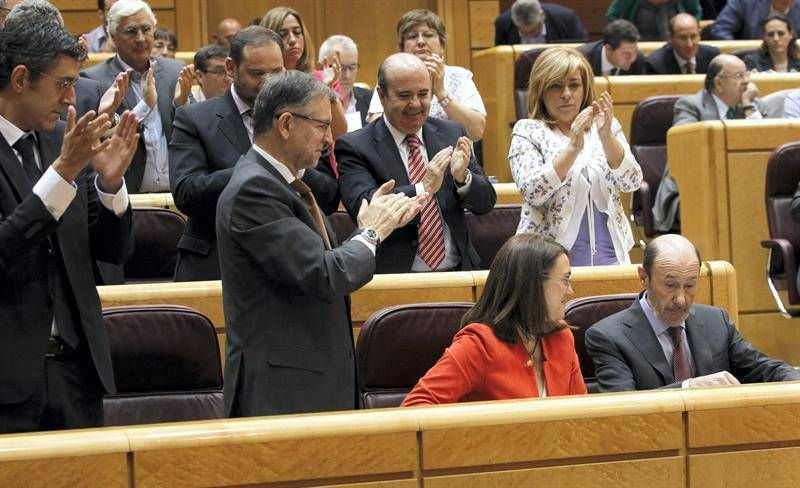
[421,154]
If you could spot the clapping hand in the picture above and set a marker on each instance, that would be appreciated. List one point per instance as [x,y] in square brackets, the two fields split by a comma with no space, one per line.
[81,142]
[603,114]
[183,87]
[389,211]
[115,94]
[149,82]
[459,160]
[331,71]
[435,65]
[115,157]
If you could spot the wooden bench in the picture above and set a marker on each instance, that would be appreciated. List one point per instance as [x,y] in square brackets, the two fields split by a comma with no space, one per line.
[716,437]
[720,168]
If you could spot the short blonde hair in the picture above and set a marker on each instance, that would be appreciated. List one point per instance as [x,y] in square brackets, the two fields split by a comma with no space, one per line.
[553,65]
[273,20]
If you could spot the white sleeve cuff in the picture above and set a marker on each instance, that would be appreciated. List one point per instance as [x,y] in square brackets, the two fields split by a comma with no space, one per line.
[361,239]
[685,383]
[118,202]
[142,110]
[56,193]
[464,189]
[754,115]
[419,188]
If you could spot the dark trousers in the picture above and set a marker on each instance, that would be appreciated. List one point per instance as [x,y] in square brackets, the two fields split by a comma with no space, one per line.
[70,397]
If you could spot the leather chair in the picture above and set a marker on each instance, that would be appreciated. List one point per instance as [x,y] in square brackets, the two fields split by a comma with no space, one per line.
[743,53]
[398,345]
[522,73]
[156,234]
[489,232]
[166,365]
[650,122]
[583,313]
[783,174]
[343,225]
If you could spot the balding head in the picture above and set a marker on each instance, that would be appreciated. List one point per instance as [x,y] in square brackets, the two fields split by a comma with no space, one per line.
[727,78]
[226,29]
[404,87]
[684,36]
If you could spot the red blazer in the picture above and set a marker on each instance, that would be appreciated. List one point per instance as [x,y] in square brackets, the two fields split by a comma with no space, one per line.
[478,366]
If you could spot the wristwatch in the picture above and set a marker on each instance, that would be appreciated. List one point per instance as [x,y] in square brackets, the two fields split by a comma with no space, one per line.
[370,235]
[445,101]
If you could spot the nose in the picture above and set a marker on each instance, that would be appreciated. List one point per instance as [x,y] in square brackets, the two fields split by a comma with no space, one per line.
[68,96]
[569,292]
[679,298]
[328,138]
[565,93]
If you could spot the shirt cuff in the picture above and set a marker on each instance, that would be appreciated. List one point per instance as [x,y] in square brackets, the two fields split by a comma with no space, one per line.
[754,115]
[117,202]
[361,239]
[462,190]
[685,383]
[56,192]
[142,111]
[419,188]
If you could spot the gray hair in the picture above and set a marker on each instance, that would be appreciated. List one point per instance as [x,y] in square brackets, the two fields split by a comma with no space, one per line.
[286,92]
[328,47]
[33,11]
[526,12]
[126,8]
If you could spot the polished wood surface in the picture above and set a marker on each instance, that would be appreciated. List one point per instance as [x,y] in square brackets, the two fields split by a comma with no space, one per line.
[736,436]
[720,168]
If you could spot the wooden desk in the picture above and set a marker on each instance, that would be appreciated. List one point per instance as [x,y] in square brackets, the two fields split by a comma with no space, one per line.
[720,168]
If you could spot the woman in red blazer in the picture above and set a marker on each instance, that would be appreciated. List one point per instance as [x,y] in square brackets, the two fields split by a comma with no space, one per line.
[514,342]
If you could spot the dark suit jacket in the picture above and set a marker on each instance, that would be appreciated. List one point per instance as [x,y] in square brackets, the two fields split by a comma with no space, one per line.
[166,77]
[593,52]
[759,62]
[363,97]
[290,342]
[32,246]
[740,19]
[368,158]
[561,25]
[207,140]
[87,96]
[628,356]
[662,61]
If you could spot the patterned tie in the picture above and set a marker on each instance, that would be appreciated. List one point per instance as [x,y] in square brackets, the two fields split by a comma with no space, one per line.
[689,68]
[731,114]
[311,203]
[680,360]
[24,147]
[430,232]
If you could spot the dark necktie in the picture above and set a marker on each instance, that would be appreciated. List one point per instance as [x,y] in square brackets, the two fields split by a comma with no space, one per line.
[24,147]
[689,68]
[680,360]
[430,231]
[731,114]
[311,203]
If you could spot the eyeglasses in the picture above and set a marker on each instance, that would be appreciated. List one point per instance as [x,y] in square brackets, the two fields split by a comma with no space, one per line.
[62,83]
[427,35]
[351,68]
[742,75]
[133,31]
[323,126]
[218,71]
[565,280]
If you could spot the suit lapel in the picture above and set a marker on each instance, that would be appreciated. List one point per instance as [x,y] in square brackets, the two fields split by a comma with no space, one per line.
[701,352]
[231,124]
[390,154]
[710,107]
[641,335]
[164,101]
[14,173]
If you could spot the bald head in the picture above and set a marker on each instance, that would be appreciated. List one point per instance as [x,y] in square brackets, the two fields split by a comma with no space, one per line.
[226,29]
[670,248]
[399,63]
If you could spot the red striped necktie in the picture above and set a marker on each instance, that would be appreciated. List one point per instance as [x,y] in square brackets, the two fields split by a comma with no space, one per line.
[430,231]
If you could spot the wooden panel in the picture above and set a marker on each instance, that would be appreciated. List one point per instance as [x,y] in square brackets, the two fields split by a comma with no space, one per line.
[379,484]
[494,77]
[108,470]
[387,290]
[770,132]
[775,468]
[664,472]
[772,334]
[507,193]
[747,425]
[481,23]
[723,286]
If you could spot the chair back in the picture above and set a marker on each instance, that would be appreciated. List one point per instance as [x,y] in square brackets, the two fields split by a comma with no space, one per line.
[783,175]
[490,231]
[522,73]
[156,232]
[583,313]
[650,122]
[398,345]
[166,363]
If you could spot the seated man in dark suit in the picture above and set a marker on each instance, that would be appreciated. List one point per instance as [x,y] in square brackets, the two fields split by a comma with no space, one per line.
[151,92]
[58,212]
[741,19]
[416,151]
[665,341]
[683,54]
[209,137]
[285,280]
[355,100]
[617,53]
[532,22]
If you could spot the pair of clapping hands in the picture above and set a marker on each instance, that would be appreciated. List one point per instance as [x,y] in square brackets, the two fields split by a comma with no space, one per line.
[600,112]
[389,211]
